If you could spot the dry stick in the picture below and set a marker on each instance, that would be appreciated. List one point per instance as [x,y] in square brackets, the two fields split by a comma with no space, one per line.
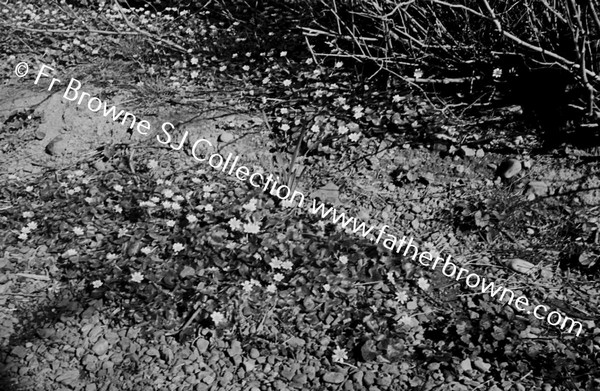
[555,12]
[562,61]
[311,51]
[582,55]
[594,14]
[33,276]
[337,18]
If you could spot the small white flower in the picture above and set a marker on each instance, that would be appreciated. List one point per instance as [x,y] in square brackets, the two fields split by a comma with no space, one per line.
[217,318]
[401,297]
[418,73]
[247,286]
[423,284]
[340,101]
[191,218]
[194,61]
[287,82]
[137,277]
[118,209]
[284,111]
[251,205]
[271,288]
[175,206]
[152,164]
[275,263]
[170,223]
[342,129]
[285,127]
[246,68]
[497,73]
[25,230]
[122,232]
[208,208]
[177,247]
[118,188]
[278,277]
[29,189]
[235,224]
[111,256]
[339,64]
[287,265]
[97,284]
[78,231]
[327,287]
[167,204]
[155,200]
[27,215]
[354,137]
[339,355]
[343,259]
[168,193]
[70,252]
[283,54]
[315,128]
[251,228]
[254,282]
[396,98]
[222,68]
[23,236]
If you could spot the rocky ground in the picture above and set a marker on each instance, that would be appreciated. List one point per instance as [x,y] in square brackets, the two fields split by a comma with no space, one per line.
[128,265]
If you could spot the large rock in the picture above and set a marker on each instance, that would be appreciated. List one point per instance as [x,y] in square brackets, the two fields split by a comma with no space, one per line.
[509,168]
[334,377]
[56,147]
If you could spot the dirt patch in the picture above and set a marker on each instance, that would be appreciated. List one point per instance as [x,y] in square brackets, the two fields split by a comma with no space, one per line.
[41,130]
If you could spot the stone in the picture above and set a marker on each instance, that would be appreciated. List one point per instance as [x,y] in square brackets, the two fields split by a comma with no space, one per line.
[235,349]
[249,365]
[68,377]
[57,146]
[202,345]
[369,378]
[537,188]
[509,168]
[288,373]
[384,381]
[300,378]
[225,137]
[358,377]
[226,378]
[334,377]
[254,353]
[310,372]
[19,351]
[40,134]
[101,347]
